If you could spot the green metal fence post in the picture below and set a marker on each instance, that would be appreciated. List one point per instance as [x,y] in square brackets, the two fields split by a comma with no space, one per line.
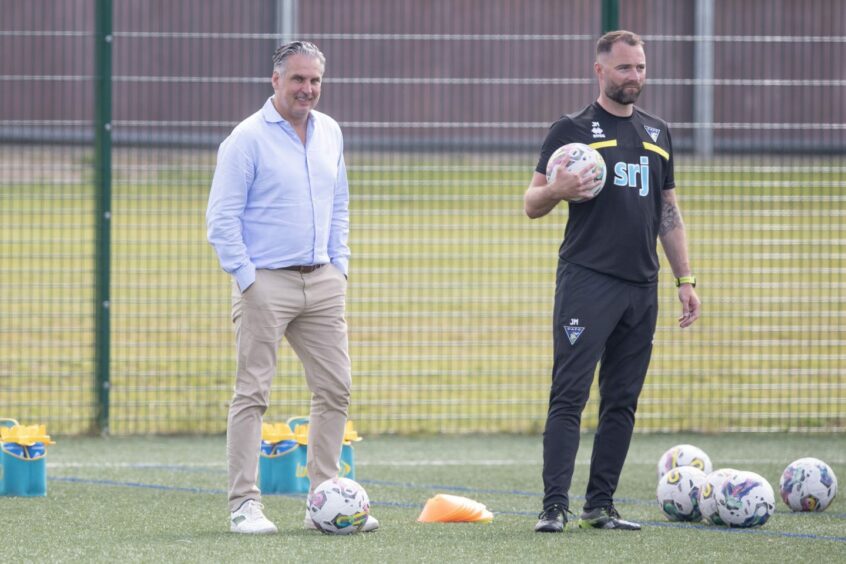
[103,180]
[610,15]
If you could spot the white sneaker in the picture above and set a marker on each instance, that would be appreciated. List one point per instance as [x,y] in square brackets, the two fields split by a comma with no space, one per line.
[370,525]
[249,519]
[308,523]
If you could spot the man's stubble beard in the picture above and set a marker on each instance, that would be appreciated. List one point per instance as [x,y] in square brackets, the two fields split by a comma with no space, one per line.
[619,94]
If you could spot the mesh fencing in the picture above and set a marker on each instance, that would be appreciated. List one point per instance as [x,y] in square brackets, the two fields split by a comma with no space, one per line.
[444,106]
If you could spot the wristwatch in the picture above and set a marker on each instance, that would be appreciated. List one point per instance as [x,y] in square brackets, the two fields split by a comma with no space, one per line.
[686,280]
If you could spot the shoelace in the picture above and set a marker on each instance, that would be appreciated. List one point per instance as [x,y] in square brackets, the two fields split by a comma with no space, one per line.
[254,508]
[613,513]
[551,513]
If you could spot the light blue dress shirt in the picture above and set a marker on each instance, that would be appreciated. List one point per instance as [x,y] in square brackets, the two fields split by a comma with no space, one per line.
[275,202]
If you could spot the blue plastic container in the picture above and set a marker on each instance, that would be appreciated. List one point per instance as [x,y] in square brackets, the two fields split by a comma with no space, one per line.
[23,470]
[282,464]
[347,462]
[282,468]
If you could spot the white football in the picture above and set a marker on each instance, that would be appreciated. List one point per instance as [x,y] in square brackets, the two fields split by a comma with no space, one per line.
[339,506]
[745,499]
[708,495]
[582,156]
[684,455]
[808,484]
[678,493]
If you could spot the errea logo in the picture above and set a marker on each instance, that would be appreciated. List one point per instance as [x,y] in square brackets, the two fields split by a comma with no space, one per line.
[628,175]
[597,130]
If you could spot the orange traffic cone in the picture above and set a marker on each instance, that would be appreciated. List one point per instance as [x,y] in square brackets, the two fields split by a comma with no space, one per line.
[444,508]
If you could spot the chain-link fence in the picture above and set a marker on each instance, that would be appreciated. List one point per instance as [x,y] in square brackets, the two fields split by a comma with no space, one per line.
[114,312]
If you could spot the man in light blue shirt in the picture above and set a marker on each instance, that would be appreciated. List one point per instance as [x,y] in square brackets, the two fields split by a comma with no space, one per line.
[278,218]
[279,195]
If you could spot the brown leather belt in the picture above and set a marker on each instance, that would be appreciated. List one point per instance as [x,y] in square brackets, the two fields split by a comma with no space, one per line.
[303,269]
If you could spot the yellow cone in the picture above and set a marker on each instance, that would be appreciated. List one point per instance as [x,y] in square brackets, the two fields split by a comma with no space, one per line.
[445,508]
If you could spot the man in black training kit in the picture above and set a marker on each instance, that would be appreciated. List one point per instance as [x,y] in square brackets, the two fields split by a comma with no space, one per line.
[606,298]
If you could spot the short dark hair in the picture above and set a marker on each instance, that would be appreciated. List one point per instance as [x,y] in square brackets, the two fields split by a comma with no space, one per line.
[609,39]
[283,52]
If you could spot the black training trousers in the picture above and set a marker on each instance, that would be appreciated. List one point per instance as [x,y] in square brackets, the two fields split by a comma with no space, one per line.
[596,317]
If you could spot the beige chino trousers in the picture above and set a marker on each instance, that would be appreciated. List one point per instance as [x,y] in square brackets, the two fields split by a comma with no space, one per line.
[308,310]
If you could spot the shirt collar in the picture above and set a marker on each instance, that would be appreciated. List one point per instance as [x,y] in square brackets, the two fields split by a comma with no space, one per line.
[270,114]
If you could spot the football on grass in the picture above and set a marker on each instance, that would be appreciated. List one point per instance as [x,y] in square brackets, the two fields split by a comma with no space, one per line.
[678,493]
[684,455]
[708,495]
[808,484]
[745,499]
[339,506]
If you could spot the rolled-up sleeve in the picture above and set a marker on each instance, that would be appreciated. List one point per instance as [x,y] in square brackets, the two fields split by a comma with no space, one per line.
[233,177]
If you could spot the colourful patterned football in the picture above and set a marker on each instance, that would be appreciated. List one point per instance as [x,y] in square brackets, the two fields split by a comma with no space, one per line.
[745,499]
[582,156]
[708,495]
[678,493]
[683,455]
[808,484]
[339,506]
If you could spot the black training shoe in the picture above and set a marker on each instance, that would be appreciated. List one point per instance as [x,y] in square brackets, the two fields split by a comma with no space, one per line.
[551,520]
[606,518]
